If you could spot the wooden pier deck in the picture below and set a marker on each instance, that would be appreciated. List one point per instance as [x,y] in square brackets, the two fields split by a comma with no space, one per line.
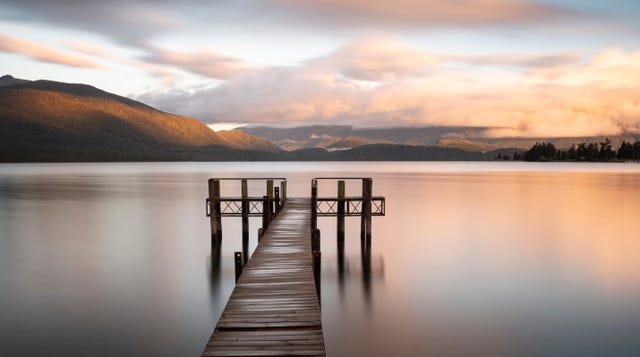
[274,310]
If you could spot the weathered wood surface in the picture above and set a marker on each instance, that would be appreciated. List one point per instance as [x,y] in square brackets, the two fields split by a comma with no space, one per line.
[273,309]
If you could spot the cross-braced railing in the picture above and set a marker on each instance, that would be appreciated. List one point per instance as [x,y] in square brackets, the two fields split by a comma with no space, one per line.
[232,206]
[342,206]
[245,206]
[328,206]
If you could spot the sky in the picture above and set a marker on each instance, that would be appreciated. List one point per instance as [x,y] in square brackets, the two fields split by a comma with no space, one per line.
[523,68]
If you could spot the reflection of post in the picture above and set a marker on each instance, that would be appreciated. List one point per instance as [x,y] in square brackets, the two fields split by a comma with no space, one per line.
[316,274]
[245,221]
[341,261]
[215,217]
[314,204]
[215,263]
[215,272]
[365,223]
[366,272]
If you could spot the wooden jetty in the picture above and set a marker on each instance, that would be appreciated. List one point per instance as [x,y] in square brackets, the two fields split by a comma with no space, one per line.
[273,309]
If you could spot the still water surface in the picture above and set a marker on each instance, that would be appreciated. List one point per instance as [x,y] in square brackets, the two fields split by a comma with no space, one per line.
[500,259]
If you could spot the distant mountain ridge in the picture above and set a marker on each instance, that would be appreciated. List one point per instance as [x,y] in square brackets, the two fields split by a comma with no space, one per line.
[341,137]
[8,80]
[49,119]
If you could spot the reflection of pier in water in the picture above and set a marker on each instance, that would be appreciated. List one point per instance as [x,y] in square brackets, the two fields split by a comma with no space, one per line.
[275,306]
[343,206]
[365,267]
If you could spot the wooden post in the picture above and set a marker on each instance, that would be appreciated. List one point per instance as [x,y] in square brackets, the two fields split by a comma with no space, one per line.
[365,223]
[317,261]
[340,232]
[277,199]
[270,195]
[237,257]
[215,217]
[283,189]
[265,213]
[341,204]
[245,220]
[314,204]
[368,209]
[315,240]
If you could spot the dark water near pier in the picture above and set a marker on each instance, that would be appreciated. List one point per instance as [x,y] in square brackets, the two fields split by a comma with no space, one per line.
[502,259]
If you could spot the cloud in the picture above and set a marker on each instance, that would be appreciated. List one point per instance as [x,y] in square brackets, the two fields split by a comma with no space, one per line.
[42,53]
[138,22]
[88,49]
[164,74]
[275,95]
[419,13]
[520,60]
[204,62]
[552,95]
[130,23]
[377,59]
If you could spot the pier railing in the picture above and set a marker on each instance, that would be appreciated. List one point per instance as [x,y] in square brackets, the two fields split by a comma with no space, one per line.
[341,206]
[353,206]
[270,204]
[245,206]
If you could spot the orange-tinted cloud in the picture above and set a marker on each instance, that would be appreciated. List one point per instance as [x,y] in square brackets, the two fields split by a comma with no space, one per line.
[205,62]
[376,59]
[544,95]
[164,74]
[42,53]
[423,13]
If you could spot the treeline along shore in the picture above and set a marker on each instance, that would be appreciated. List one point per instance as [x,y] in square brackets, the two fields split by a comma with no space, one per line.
[595,151]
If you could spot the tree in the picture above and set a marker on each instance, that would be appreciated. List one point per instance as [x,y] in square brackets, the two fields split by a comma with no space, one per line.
[541,152]
[625,152]
[571,153]
[606,151]
[636,150]
[517,155]
[592,152]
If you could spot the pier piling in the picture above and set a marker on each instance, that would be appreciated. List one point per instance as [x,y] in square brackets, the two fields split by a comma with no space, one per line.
[237,259]
[215,216]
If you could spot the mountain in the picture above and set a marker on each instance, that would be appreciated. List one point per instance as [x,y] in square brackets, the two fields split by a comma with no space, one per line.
[8,80]
[344,136]
[340,137]
[60,121]
[381,152]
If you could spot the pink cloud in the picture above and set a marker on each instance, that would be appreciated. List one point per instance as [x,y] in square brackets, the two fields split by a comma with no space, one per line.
[550,95]
[204,62]
[424,13]
[378,59]
[42,53]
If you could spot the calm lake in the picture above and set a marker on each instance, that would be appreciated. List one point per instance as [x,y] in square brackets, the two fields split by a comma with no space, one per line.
[472,259]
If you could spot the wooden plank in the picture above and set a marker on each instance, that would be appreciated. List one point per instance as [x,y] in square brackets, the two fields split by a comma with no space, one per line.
[274,309]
